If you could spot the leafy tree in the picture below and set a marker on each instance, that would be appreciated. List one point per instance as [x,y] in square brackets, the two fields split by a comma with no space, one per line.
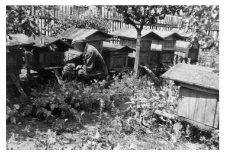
[88,22]
[140,15]
[19,19]
[200,19]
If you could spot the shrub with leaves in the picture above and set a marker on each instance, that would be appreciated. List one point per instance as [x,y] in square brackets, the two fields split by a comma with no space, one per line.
[12,113]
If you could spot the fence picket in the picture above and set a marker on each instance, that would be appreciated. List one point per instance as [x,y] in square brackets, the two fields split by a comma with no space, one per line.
[114,18]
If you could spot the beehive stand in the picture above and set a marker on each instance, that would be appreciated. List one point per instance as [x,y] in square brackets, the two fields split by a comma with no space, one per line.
[17,84]
[56,72]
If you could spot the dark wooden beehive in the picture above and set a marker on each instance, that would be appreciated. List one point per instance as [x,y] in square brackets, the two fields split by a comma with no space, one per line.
[15,45]
[116,56]
[14,60]
[47,52]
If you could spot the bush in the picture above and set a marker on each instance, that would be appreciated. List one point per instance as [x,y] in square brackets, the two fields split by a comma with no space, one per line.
[56,103]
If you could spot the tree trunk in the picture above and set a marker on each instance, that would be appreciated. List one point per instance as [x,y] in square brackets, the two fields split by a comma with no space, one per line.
[137,56]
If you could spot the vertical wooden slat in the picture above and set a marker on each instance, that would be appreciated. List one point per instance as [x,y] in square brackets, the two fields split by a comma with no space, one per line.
[183,102]
[196,109]
[64,9]
[45,25]
[41,22]
[191,104]
[216,119]
[48,25]
[200,108]
[210,110]
[32,10]
[113,24]
[103,12]
[120,25]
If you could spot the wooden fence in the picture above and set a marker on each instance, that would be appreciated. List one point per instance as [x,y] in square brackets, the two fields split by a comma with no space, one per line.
[115,19]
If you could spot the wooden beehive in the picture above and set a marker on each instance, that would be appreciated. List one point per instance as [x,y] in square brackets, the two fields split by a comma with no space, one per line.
[199,93]
[47,52]
[15,45]
[157,47]
[14,59]
[93,37]
[116,56]
[188,50]
[128,38]
[168,46]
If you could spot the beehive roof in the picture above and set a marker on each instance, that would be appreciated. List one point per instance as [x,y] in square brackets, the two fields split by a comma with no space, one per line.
[73,33]
[48,40]
[18,39]
[132,33]
[115,47]
[193,75]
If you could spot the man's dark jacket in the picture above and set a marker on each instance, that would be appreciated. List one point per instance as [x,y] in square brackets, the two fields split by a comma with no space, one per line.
[92,61]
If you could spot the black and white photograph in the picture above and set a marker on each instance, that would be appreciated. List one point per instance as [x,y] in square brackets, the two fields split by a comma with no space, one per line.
[112,77]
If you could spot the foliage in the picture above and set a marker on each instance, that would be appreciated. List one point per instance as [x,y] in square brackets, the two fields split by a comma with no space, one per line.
[213,141]
[140,15]
[19,19]
[14,109]
[209,58]
[88,22]
[122,108]
[202,18]
[11,113]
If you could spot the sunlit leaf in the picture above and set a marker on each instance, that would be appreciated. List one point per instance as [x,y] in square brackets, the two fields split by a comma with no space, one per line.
[13,120]
[77,105]
[53,106]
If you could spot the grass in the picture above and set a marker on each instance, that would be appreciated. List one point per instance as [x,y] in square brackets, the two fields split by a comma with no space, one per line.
[33,134]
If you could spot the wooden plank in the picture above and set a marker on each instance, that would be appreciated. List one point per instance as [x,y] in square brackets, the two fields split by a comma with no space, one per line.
[152,75]
[165,114]
[191,104]
[52,68]
[196,109]
[18,85]
[183,103]
[216,118]
[210,110]
[210,91]
[58,76]
[200,114]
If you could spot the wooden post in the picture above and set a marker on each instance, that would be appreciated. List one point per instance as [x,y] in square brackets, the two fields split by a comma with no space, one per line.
[17,84]
[165,114]
[59,78]
[28,73]
[175,59]
[152,75]
[189,61]
[137,56]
